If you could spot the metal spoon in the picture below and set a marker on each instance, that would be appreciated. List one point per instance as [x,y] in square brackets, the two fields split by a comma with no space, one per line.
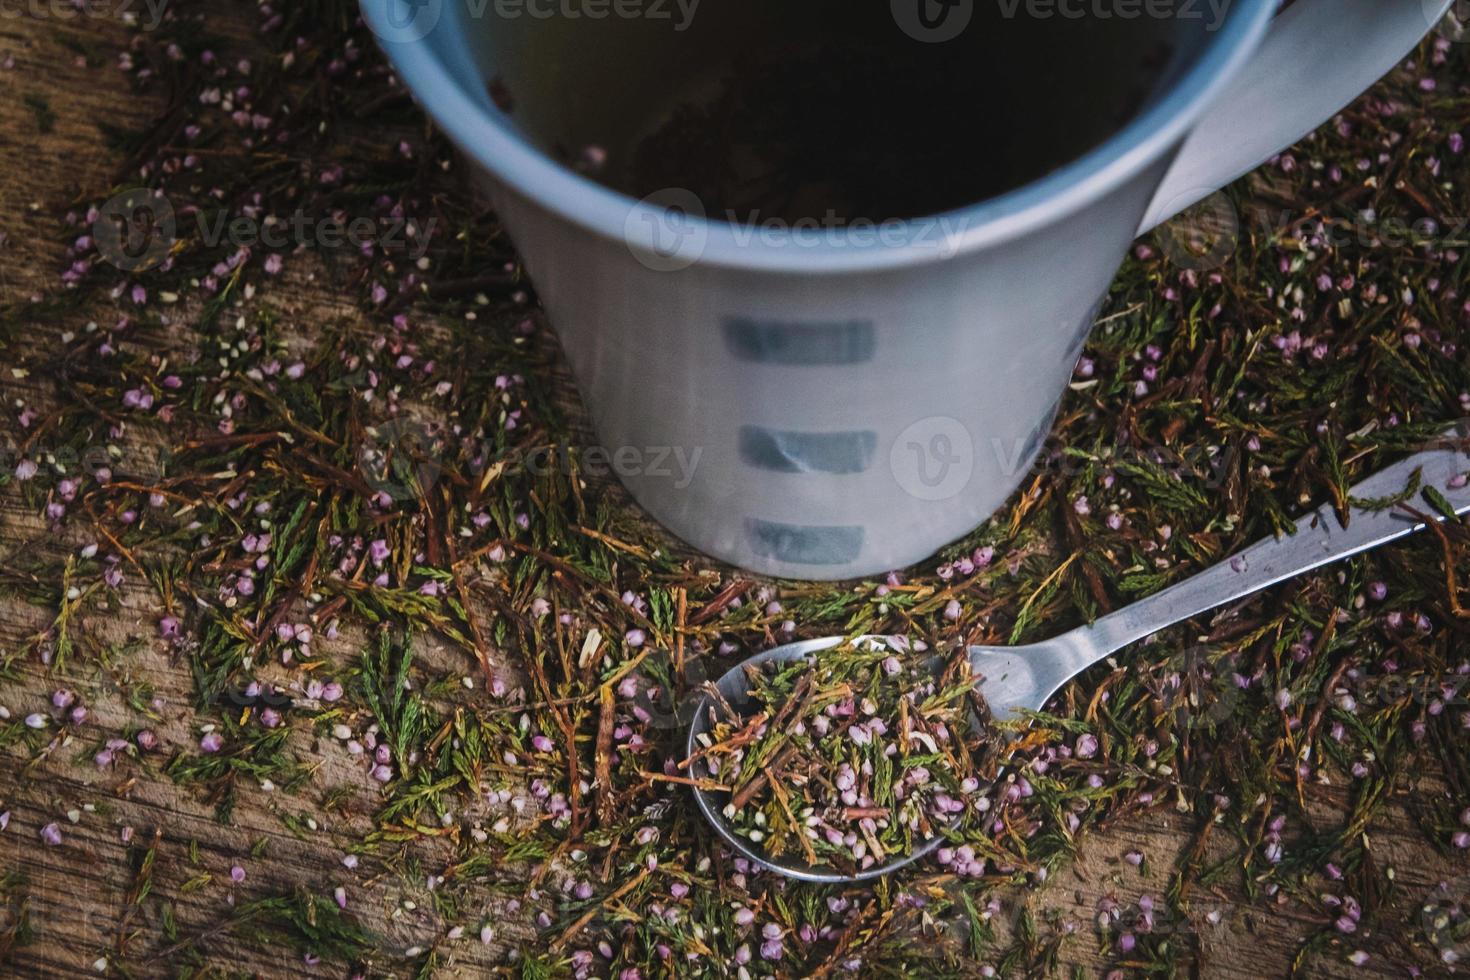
[1024,678]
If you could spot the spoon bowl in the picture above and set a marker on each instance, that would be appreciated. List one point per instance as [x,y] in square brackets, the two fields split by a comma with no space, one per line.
[733,687]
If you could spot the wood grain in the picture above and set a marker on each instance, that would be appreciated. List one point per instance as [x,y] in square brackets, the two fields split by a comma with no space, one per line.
[74,896]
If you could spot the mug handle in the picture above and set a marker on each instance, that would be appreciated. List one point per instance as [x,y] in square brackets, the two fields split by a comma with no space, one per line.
[1317,58]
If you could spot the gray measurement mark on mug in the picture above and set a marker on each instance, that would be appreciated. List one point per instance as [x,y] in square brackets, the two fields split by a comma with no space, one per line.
[800,344]
[805,545]
[807,452]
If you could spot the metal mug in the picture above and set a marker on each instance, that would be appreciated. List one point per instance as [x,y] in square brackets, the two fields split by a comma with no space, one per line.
[838,408]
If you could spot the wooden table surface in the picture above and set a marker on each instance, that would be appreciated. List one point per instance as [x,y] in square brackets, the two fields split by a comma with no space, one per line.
[75,899]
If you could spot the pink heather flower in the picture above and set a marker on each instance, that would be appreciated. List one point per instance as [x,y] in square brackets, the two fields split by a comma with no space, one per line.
[211,742]
[137,398]
[952,610]
[51,834]
[635,638]
[237,874]
[1086,746]
[25,470]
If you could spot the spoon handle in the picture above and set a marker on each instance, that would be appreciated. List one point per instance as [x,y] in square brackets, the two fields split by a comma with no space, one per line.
[1320,539]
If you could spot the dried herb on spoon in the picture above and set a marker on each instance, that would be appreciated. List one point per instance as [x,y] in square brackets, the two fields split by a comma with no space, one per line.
[850,760]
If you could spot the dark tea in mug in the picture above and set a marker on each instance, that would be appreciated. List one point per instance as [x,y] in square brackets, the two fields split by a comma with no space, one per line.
[828,110]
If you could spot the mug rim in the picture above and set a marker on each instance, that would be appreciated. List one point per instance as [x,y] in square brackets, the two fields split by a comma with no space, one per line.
[513,161]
